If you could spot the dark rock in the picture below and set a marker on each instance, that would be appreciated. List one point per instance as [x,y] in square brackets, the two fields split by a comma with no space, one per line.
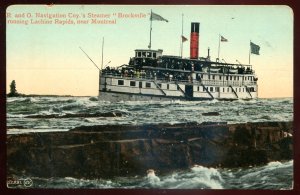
[16,127]
[214,123]
[125,150]
[93,99]
[211,114]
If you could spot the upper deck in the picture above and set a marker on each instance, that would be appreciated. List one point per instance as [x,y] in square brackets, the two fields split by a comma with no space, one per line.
[152,65]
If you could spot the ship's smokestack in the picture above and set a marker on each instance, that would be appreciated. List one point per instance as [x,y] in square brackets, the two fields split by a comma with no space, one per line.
[194,46]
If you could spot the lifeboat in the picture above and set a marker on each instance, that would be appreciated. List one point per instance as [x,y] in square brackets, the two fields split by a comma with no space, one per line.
[214,69]
[233,71]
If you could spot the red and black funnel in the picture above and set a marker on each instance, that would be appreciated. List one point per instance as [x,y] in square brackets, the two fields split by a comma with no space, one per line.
[194,46]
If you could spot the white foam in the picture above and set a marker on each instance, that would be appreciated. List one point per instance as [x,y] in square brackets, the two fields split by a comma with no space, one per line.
[22,131]
[15,115]
[213,101]
[152,178]
[208,176]
[15,99]
[213,184]
[274,164]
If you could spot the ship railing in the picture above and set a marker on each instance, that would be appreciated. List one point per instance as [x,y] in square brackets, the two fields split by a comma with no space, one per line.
[183,81]
[142,77]
[250,83]
[227,83]
[112,74]
[211,82]
[118,75]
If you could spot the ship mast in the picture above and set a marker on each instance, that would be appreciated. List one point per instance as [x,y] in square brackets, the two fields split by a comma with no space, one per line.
[149,46]
[154,16]
[219,48]
[181,42]
[102,53]
[249,52]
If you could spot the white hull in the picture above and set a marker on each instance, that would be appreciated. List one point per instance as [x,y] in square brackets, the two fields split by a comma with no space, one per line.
[116,97]
[133,89]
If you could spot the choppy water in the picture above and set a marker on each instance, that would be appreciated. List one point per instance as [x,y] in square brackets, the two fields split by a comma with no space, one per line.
[47,114]
[140,112]
[275,175]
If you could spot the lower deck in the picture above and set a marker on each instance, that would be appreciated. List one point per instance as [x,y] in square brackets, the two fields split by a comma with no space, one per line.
[127,89]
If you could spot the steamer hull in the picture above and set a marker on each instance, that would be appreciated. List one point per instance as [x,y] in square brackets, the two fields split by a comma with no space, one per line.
[114,89]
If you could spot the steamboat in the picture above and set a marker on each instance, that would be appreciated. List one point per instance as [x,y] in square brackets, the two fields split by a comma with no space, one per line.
[150,75]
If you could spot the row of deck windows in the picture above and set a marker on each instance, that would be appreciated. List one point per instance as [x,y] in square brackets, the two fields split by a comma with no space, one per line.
[148,85]
[235,78]
[224,89]
[211,89]
[145,54]
[133,84]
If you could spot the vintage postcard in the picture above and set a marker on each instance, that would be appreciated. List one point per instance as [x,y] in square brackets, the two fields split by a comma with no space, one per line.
[149,96]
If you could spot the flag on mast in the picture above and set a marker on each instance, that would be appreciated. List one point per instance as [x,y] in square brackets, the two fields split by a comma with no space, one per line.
[254,48]
[155,16]
[223,39]
[183,38]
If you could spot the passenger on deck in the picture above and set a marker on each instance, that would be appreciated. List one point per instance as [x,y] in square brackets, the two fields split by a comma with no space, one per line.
[126,73]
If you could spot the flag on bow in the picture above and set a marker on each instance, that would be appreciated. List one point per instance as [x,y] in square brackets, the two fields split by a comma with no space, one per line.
[223,39]
[183,39]
[254,48]
[155,16]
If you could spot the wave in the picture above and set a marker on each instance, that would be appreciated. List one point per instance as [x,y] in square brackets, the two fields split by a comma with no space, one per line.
[78,115]
[24,100]
[8,115]
[22,130]
[75,183]
[274,175]
[16,99]
[143,112]
[210,173]
[277,164]
[197,178]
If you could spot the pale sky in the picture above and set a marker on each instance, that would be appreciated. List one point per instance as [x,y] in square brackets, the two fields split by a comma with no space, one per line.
[46,59]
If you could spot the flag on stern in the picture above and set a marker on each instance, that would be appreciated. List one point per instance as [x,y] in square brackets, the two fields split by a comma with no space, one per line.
[254,48]
[183,39]
[155,16]
[223,39]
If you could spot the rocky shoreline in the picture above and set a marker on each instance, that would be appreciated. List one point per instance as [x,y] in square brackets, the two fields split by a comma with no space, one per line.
[128,150]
